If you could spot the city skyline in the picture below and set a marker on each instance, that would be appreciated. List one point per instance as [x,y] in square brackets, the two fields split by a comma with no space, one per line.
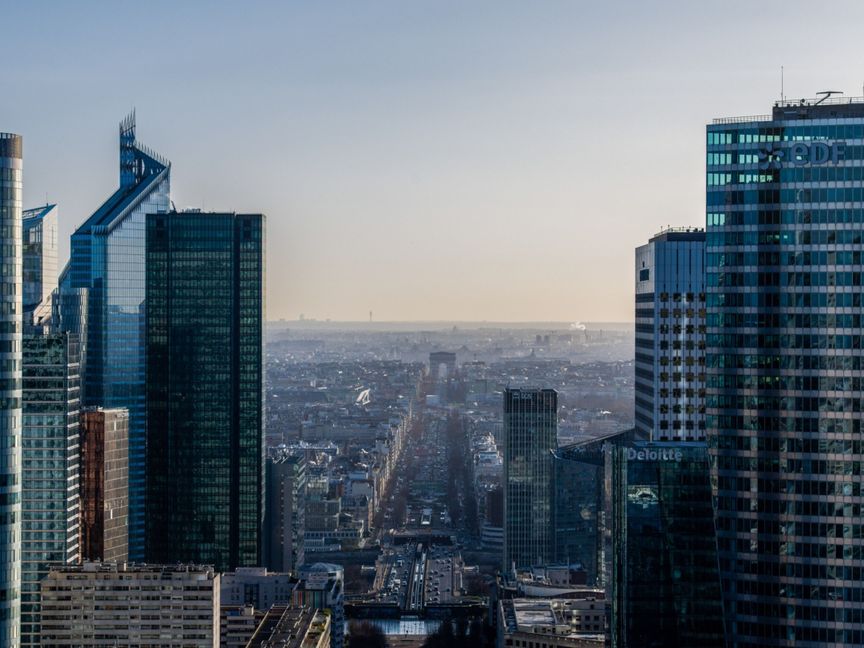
[380,135]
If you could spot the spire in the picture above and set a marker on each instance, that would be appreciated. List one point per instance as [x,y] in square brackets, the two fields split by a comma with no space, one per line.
[128,174]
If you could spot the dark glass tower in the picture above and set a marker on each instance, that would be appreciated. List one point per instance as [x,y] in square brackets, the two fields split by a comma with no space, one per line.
[530,438]
[665,578]
[204,325]
[785,240]
[107,259]
[11,324]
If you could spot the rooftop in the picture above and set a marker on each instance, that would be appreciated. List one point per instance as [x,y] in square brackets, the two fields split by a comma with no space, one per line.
[825,107]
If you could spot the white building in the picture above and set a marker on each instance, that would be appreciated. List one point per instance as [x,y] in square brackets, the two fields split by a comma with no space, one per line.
[670,336]
[111,604]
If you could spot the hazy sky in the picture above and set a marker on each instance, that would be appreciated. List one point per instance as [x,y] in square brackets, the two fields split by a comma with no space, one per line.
[423,160]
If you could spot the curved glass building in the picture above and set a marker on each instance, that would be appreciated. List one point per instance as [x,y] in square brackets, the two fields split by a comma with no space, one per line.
[784,246]
[11,325]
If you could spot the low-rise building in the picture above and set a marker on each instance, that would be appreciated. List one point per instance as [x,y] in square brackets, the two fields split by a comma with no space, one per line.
[552,623]
[115,604]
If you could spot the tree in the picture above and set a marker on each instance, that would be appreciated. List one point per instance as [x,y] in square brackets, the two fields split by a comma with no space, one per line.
[364,634]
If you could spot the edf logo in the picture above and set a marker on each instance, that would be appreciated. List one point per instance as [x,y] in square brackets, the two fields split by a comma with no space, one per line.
[776,155]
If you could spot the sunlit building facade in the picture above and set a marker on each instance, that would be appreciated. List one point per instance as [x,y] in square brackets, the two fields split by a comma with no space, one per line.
[107,258]
[785,207]
[670,336]
[204,336]
[11,326]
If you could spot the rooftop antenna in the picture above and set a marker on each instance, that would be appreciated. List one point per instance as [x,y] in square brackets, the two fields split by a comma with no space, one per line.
[782,94]
[826,94]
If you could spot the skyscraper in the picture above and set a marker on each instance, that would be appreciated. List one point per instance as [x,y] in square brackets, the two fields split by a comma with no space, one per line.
[204,332]
[10,386]
[530,438]
[665,578]
[50,467]
[670,336]
[785,206]
[582,520]
[40,262]
[105,484]
[107,257]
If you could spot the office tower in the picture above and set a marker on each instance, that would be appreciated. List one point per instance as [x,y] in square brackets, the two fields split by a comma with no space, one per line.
[670,336]
[322,587]
[204,332]
[111,604]
[105,484]
[50,463]
[665,578]
[10,386]
[39,263]
[582,518]
[530,438]
[784,248]
[107,258]
[284,523]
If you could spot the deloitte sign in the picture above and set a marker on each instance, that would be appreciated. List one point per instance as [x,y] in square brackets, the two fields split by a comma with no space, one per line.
[654,454]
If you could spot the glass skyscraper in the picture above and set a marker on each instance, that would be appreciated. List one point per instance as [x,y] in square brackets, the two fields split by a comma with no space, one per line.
[785,208]
[204,333]
[107,258]
[50,468]
[670,336]
[581,505]
[40,262]
[11,326]
[530,438]
[665,578]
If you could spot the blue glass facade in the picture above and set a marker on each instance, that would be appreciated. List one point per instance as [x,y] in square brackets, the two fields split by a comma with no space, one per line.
[50,473]
[40,262]
[785,240]
[107,258]
[11,326]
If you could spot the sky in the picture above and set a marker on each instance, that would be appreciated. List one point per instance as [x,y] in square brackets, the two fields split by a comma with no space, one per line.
[422,160]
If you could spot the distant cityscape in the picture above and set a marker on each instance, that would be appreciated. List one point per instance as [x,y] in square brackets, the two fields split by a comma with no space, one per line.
[175,470]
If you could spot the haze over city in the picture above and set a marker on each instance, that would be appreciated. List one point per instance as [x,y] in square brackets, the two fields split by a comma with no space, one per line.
[425,160]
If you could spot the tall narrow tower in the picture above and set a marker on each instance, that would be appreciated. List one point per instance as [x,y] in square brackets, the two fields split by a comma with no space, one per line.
[530,438]
[11,325]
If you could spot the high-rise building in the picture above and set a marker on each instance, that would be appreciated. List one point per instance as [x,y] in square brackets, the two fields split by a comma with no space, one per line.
[105,484]
[530,438]
[284,523]
[785,207]
[258,587]
[204,333]
[11,326]
[40,263]
[582,515]
[50,463]
[670,336]
[107,258]
[111,604]
[665,576]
